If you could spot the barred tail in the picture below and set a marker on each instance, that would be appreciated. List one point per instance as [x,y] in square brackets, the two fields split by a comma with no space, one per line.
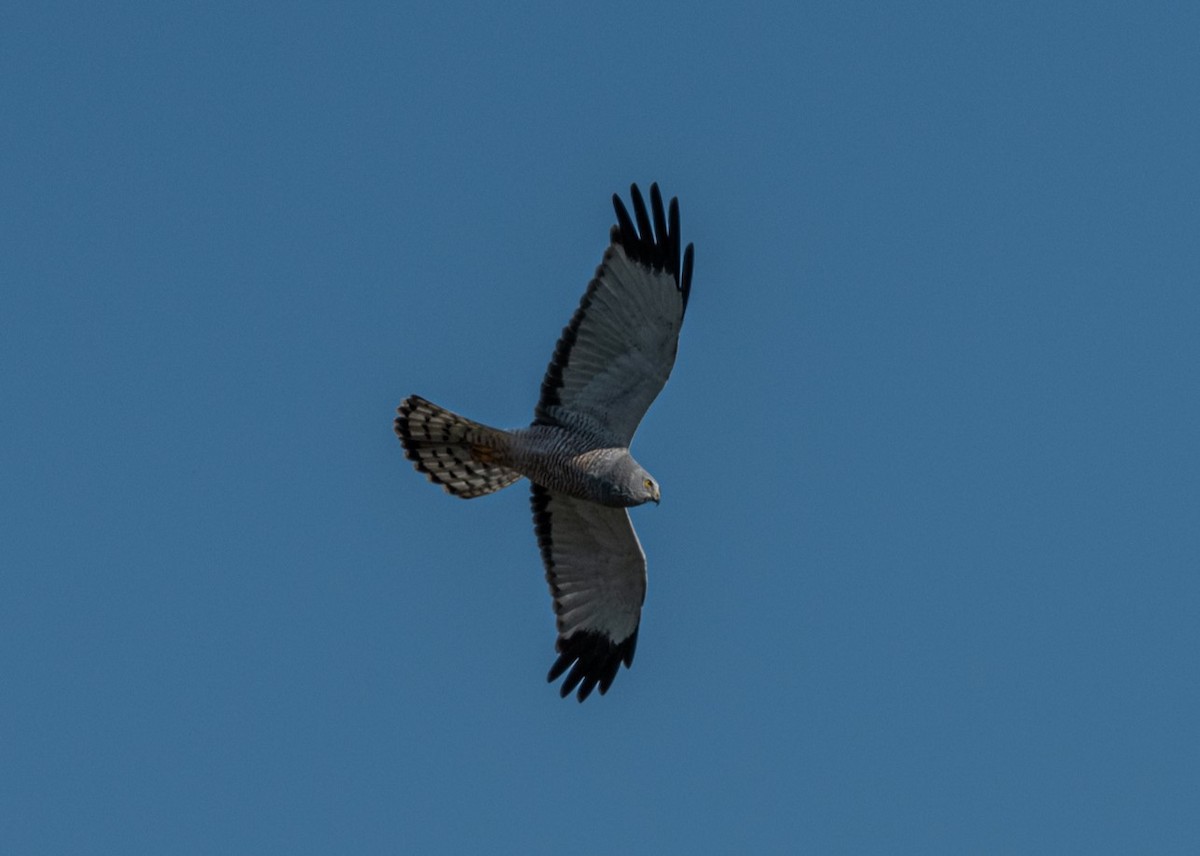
[452,451]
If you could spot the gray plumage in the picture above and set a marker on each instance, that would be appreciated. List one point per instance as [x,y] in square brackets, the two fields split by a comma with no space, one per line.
[609,365]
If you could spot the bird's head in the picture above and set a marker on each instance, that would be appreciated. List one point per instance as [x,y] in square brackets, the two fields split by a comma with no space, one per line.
[641,486]
[628,484]
[649,490]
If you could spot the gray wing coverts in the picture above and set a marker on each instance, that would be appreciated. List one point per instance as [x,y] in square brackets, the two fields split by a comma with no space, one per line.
[597,575]
[618,349]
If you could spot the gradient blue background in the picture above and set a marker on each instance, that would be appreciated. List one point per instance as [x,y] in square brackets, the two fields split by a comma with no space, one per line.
[925,576]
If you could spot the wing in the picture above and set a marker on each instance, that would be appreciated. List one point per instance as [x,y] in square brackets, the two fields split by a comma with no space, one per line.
[597,575]
[617,352]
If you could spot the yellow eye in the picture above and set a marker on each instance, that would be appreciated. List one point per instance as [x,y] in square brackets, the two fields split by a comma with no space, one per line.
[648,484]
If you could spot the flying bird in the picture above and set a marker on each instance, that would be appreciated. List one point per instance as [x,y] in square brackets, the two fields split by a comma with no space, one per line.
[610,363]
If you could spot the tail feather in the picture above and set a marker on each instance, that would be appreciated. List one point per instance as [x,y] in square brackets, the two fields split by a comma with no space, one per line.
[451,450]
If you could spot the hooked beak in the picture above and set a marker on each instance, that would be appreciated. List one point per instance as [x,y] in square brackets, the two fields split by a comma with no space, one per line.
[657,495]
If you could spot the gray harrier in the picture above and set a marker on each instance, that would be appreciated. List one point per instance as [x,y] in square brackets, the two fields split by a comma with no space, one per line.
[609,365]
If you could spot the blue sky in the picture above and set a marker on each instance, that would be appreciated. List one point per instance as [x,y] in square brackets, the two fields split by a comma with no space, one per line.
[924,578]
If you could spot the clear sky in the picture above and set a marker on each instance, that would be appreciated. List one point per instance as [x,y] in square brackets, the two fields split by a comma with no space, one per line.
[926,574]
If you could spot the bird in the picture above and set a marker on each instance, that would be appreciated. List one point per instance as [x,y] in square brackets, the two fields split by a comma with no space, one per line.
[610,363]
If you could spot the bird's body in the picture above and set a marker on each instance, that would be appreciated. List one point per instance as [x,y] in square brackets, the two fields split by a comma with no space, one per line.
[608,366]
[577,467]
[577,463]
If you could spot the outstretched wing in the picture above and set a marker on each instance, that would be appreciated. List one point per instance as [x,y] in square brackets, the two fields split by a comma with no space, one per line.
[617,352]
[597,575]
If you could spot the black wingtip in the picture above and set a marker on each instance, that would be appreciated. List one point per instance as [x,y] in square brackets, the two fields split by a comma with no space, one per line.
[685,279]
[626,235]
[651,236]
[645,233]
[593,660]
